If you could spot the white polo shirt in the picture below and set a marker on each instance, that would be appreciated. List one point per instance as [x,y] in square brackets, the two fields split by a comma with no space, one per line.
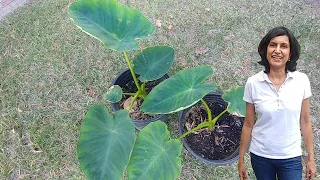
[276,133]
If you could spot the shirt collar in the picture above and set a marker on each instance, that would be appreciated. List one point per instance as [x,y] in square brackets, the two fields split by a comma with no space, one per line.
[264,76]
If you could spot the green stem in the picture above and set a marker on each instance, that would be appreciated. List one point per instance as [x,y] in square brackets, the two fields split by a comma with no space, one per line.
[143,92]
[216,118]
[208,110]
[133,100]
[132,72]
[201,125]
[143,86]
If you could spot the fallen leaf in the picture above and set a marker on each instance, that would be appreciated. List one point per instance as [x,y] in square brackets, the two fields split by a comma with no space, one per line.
[200,51]
[36,150]
[224,126]
[158,23]
[90,91]
[188,126]
[222,139]
[229,37]
[219,130]
[127,102]
[216,140]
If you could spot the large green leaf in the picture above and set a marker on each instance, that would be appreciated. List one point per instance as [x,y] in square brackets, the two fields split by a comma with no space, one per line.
[105,143]
[154,155]
[152,63]
[115,25]
[234,97]
[180,91]
[114,94]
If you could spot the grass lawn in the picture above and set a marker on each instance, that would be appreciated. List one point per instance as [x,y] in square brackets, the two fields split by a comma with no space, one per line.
[51,72]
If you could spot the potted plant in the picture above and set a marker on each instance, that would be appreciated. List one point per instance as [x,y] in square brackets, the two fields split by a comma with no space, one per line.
[187,88]
[118,27]
[108,146]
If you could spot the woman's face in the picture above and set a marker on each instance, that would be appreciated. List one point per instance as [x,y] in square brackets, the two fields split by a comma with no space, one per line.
[278,52]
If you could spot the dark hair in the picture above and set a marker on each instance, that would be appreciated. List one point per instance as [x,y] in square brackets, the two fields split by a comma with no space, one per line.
[294,48]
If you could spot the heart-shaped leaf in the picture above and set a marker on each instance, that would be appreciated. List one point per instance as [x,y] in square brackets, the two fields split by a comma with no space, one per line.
[180,91]
[154,155]
[114,94]
[152,63]
[115,25]
[234,97]
[105,143]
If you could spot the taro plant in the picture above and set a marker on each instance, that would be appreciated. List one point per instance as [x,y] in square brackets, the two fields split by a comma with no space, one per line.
[185,89]
[118,27]
[108,147]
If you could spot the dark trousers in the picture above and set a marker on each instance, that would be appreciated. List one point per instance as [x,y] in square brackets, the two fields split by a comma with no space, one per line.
[283,169]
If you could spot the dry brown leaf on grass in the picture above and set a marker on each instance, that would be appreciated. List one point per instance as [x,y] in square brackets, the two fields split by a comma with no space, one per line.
[19,110]
[229,37]
[201,51]
[90,91]
[158,23]
[27,142]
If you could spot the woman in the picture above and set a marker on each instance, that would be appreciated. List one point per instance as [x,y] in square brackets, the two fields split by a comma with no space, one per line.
[279,96]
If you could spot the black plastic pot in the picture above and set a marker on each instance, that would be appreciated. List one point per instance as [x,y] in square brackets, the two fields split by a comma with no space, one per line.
[211,97]
[122,79]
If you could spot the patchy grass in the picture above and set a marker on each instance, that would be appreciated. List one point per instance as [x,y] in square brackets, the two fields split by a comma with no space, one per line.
[51,72]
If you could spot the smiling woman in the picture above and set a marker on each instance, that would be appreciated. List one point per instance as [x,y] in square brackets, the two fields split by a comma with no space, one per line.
[275,146]
[278,52]
[288,50]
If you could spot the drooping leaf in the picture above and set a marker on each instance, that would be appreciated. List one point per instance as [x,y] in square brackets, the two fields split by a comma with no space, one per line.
[154,155]
[105,143]
[114,94]
[152,63]
[180,91]
[234,97]
[115,25]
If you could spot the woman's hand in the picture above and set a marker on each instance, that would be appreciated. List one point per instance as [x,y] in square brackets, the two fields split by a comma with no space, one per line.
[242,170]
[310,170]
[306,129]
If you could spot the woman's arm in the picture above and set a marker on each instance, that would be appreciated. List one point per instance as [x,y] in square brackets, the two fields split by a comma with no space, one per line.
[306,129]
[245,138]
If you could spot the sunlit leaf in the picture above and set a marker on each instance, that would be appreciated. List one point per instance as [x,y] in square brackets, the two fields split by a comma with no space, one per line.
[180,91]
[152,63]
[155,155]
[115,25]
[235,99]
[105,143]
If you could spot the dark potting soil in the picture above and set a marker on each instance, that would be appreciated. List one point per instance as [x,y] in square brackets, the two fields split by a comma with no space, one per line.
[135,112]
[222,141]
